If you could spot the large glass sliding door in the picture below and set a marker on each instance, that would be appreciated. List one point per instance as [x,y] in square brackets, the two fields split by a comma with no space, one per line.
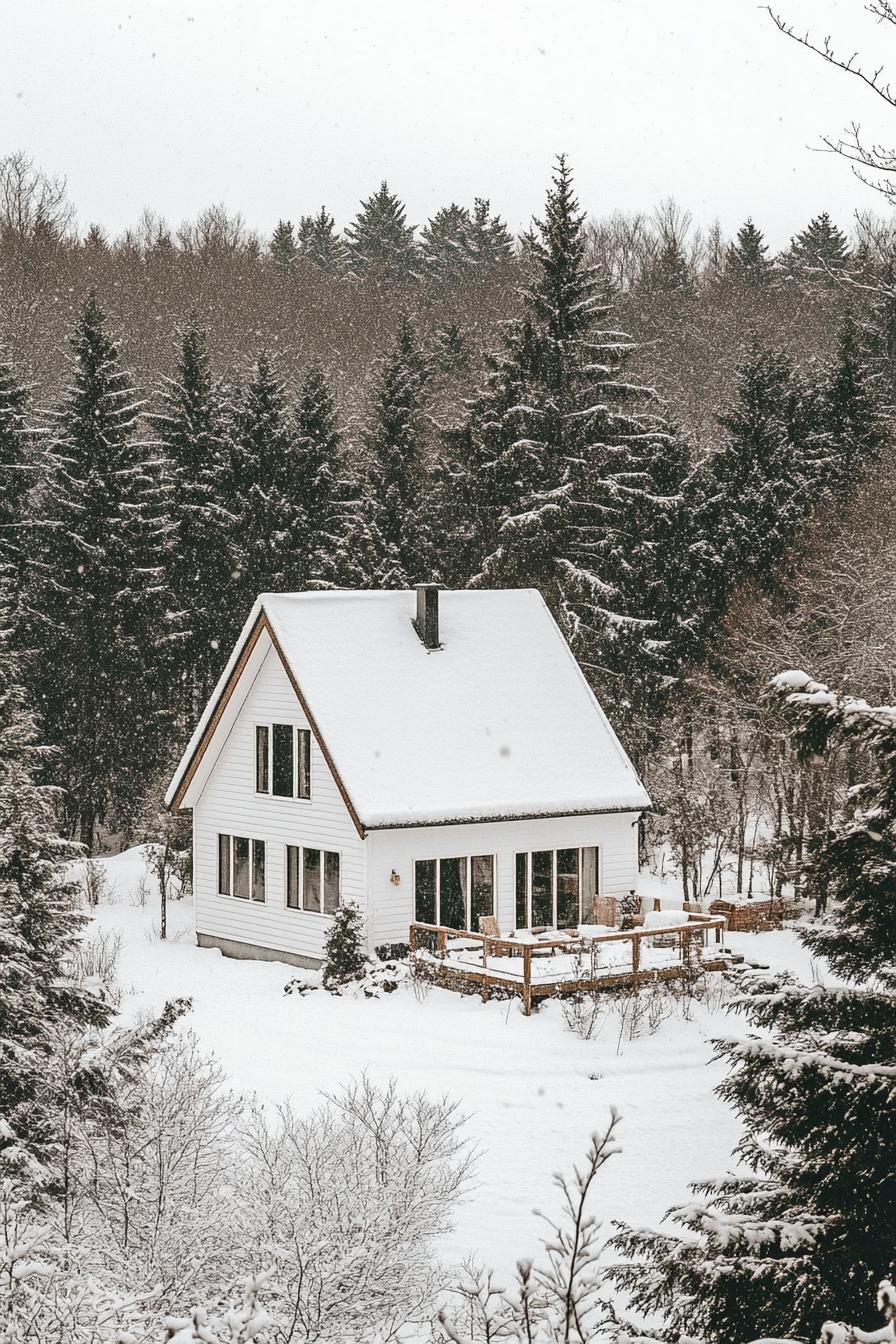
[555,888]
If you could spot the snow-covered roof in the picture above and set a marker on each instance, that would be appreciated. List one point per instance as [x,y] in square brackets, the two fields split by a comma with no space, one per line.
[498,722]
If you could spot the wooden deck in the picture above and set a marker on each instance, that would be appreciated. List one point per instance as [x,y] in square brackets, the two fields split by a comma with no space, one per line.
[475,962]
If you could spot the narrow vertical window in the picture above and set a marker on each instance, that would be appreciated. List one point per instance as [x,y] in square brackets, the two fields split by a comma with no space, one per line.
[224,887]
[293,894]
[425,891]
[304,764]
[567,888]
[258,863]
[241,867]
[542,888]
[311,879]
[331,882]
[262,780]
[522,891]
[453,893]
[482,888]
[282,760]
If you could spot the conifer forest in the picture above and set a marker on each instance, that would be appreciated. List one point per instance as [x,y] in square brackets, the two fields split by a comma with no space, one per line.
[683,436]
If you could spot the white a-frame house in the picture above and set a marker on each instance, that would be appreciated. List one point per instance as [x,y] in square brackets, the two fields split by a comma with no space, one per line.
[435,756]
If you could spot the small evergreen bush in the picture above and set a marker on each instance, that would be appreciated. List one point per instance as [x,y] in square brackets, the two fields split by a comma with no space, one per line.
[345,951]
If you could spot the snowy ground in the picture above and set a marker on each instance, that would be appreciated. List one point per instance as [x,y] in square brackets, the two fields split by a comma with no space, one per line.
[533,1090]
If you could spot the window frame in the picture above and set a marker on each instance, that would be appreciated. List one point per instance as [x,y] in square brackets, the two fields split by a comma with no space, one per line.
[526,854]
[301,908]
[252,842]
[468,889]
[300,733]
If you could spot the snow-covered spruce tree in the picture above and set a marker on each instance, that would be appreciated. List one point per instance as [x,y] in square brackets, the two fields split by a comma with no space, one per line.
[747,260]
[807,1236]
[489,241]
[193,438]
[820,252]
[39,926]
[17,473]
[396,443]
[570,465]
[321,489]
[283,247]
[850,419]
[345,950]
[101,633]
[271,554]
[320,243]
[878,337]
[445,243]
[380,241]
[753,491]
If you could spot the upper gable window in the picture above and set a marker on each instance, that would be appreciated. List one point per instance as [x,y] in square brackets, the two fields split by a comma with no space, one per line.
[283,760]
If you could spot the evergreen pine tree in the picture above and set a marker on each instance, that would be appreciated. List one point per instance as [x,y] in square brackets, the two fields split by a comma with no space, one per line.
[452,349]
[271,554]
[759,484]
[193,437]
[747,260]
[320,243]
[17,471]
[821,251]
[850,419]
[445,243]
[380,240]
[396,445]
[320,488]
[489,241]
[561,446]
[100,629]
[810,1232]
[345,954]
[39,928]
[878,337]
[283,247]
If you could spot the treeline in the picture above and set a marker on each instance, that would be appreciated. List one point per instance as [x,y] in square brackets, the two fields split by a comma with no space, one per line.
[311,292]
[136,534]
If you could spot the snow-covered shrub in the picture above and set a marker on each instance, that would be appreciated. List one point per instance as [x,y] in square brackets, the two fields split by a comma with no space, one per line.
[94,963]
[345,949]
[554,1299]
[345,1204]
[94,882]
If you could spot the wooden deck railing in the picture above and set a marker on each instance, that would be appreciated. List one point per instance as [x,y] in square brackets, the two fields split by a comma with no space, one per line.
[438,936]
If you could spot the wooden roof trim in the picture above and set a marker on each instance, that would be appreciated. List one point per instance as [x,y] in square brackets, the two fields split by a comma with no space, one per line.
[350,807]
[223,700]
[262,623]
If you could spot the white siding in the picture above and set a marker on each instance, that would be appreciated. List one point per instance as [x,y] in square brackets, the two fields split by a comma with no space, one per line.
[229,804]
[393,905]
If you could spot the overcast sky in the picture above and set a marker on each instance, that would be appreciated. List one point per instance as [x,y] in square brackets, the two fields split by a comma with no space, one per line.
[277,106]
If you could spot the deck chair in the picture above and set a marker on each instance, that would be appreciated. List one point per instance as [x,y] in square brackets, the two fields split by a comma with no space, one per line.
[489,926]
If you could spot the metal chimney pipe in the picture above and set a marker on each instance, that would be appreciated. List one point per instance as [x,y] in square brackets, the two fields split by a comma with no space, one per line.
[427,622]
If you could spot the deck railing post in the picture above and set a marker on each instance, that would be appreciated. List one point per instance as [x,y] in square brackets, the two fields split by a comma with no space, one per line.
[527,979]
[636,953]
[442,943]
